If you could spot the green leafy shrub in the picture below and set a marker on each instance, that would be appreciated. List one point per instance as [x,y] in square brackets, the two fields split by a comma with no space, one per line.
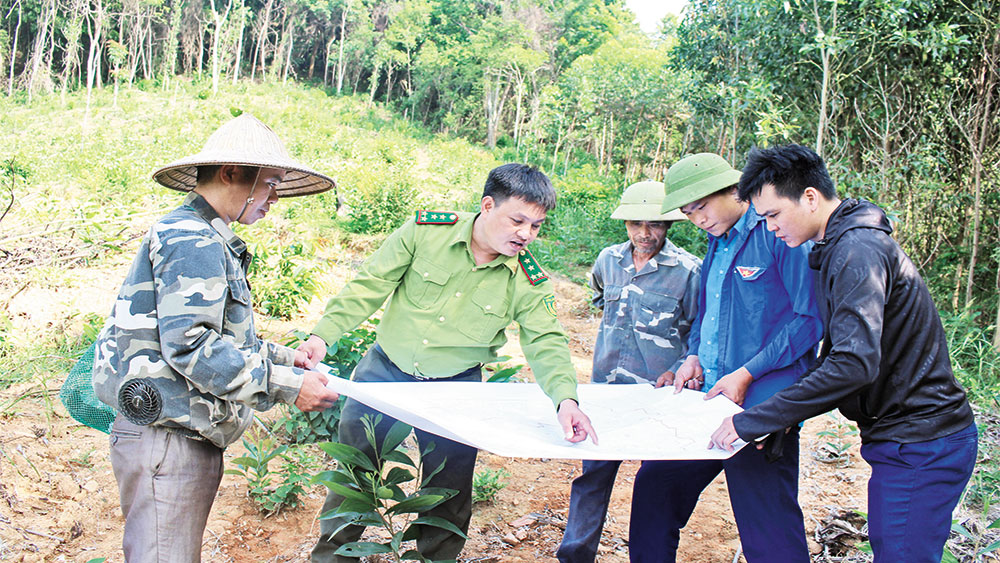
[487,483]
[381,206]
[837,442]
[321,426]
[374,496]
[974,360]
[272,492]
[284,279]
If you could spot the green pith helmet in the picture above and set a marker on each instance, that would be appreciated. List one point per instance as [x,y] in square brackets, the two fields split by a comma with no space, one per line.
[695,177]
[641,202]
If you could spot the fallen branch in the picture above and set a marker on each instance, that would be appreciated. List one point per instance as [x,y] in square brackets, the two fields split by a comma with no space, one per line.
[41,534]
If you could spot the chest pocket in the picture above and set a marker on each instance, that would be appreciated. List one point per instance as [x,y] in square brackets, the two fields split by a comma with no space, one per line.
[425,282]
[486,315]
[238,324]
[658,312]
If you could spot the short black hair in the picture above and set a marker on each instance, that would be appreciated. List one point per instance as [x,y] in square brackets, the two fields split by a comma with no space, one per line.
[521,181]
[790,169]
[208,171]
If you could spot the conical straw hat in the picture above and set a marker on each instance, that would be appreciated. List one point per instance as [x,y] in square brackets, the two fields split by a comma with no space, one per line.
[245,141]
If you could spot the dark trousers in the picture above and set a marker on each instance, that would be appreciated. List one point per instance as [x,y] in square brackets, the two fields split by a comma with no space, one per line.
[912,492]
[764,497]
[434,543]
[588,507]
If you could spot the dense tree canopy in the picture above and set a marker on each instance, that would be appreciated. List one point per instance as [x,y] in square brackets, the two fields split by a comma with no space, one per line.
[899,95]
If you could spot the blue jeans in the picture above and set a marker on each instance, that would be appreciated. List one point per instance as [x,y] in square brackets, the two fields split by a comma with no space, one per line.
[913,489]
[764,496]
[588,507]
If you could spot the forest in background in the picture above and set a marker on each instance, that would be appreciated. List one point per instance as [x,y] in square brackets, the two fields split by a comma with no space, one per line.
[900,96]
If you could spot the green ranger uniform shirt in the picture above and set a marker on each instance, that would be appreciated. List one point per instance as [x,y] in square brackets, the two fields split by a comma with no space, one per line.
[446,314]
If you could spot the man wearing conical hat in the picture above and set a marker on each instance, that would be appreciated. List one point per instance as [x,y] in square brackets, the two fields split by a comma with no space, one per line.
[755,334]
[647,288]
[454,282]
[179,357]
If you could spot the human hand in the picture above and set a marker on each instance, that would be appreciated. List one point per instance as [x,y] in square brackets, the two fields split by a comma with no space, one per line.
[576,425]
[724,435]
[301,359]
[733,386]
[314,395]
[310,352]
[689,375]
[666,378]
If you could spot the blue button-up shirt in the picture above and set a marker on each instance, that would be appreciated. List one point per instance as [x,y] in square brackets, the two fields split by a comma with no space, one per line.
[647,314]
[726,247]
[764,316]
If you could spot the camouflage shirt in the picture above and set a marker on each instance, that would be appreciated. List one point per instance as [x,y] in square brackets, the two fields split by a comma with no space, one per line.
[647,314]
[184,319]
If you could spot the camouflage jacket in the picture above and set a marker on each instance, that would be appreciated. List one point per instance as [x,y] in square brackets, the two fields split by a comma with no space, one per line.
[647,314]
[183,318]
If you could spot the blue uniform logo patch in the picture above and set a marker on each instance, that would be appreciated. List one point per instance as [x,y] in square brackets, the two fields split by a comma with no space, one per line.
[749,273]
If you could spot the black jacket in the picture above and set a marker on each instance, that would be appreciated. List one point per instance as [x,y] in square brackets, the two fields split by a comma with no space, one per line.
[884,361]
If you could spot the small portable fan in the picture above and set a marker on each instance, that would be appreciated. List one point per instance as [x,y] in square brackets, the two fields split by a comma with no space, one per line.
[139,401]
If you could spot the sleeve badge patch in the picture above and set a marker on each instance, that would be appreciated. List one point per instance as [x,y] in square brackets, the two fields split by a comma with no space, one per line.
[550,304]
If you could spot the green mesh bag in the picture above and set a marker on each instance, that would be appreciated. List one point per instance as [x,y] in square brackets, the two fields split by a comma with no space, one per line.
[77,394]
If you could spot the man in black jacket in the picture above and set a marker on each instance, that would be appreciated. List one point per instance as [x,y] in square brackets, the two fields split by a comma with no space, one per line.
[884,361]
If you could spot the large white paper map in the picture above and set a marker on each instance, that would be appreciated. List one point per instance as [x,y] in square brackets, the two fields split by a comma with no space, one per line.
[518,420]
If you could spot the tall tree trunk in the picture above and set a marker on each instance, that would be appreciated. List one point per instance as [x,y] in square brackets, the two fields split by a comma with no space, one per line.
[996,323]
[13,50]
[201,47]
[288,56]
[313,54]
[72,33]
[986,87]
[95,28]
[239,42]
[388,80]
[374,83]
[219,21]
[825,56]
[260,54]
[340,53]
[279,50]
[173,39]
[45,22]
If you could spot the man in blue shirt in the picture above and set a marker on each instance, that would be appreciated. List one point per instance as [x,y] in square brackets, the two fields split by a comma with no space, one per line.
[647,289]
[755,334]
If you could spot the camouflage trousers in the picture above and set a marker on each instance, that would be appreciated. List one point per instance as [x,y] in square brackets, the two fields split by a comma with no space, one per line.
[167,484]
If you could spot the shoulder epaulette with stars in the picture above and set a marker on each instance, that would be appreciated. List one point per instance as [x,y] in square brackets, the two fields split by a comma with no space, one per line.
[531,267]
[425,217]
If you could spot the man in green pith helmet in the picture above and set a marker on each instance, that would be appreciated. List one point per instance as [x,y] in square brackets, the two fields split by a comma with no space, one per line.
[755,333]
[647,289]
[454,282]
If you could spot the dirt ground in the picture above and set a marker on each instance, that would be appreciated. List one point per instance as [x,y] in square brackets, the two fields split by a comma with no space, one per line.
[59,501]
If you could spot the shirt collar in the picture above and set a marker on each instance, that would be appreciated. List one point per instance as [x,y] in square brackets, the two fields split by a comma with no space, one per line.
[201,206]
[747,222]
[463,235]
